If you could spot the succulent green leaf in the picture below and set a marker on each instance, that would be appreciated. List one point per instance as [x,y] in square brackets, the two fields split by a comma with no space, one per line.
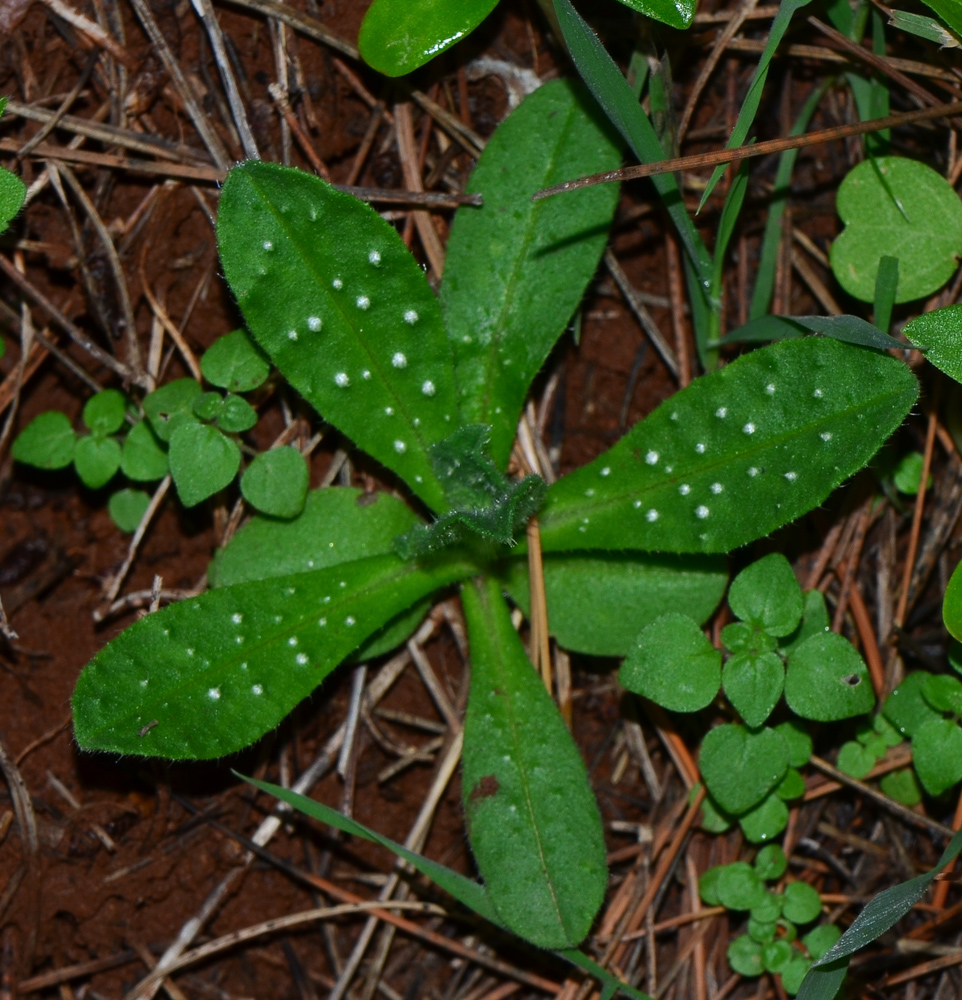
[598,603]
[889,735]
[741,767]
[47,442]
[202,461]
[208,405]
[142,457]
[127,507]
[516,269]
[798,741]
[940,333]
[236,415]
[739,886]
[827,680]
[821,938]
[753,683]
[793,975]
[104,412]
[854,759]
[708,886]
[674,13]
[771,863]
[814,620]
[276,482]
[764,822]
[235,363]
[762,931]
[713,818]
[769,909]
[777,955]
[802,903]
[792,786]
[341,307]
[674,665]
[208,676]
[745,956]
[902,786]
[937,755]
[736,454]
[767,595]
[96,460]
[906,707]
[398,36]
[337,525]
[943,692]
[895,207]
[532,819]
[171,404]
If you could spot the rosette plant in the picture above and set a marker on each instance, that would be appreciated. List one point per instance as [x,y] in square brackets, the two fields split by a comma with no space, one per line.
[432,387]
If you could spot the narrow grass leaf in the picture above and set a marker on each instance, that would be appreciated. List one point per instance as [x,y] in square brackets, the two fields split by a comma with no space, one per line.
[532,819]
[674,13]
[208,676]
[726,224]
[337,301]
[516,269]
[736,454]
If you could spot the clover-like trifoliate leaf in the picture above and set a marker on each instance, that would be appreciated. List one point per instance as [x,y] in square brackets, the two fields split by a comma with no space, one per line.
[765,821]
[745,956]
[341,307]
[827,680]
[104,412]
[236,415]
[208,676]
[937,755]
[753,683]
[532,818]
[96,460]
[397,36]
[741,767]
[599,602]
[770,863]
[944,693]
[516,269]
[767,595]
[235,363]
[202,461]
[907,707]
[276,482]
[903,786]
[854,759]
[172,403]
[674,665]
[47,442]
[895,207]
[142,458]
[736,454]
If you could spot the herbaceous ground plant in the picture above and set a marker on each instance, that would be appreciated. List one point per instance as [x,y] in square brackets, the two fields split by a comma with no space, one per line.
[624,557]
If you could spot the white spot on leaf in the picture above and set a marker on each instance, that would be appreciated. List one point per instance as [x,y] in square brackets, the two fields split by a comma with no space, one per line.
[652,457]
[302,658]
[314,323]
[749,428]
[268,245]
[363,302]
[292,335]
[257,689]
[400,447]
[399,360]
[721,412]
[337,284]
[684,489]
[652,515]
[702,512]
[428,388]
[700,448]
[410,317]
[237,618]
[213,694]
[342,380]
[374,257]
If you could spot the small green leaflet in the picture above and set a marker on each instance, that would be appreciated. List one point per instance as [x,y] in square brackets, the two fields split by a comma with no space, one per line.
[940,332]
[532,819]
[736,454]
[208,676]
[357,331]
[12,189]
[880,914]
[516,269]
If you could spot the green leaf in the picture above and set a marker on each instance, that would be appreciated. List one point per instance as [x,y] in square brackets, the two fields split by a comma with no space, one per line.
[276,482]
[713,818]
[516,269]
[908,473]
[736,454]
[745,956]
[943,692]
[208,406]
[235,363]
[708,885]
[236,415]
[753,683]
[902,786]
[950,12]
[951,604]
[208,676]
[924,27]
[848,329]
[798,741]
[726,224]
[765,821]
[142,458]
[937,755]
[104,412]
[770,863]
[767,595]
[855,760]
[739,886]
[801,903]
[939,333]
[96,460]
[777,955]
[761,931]
[906,707]
[740,637]
[674,13]
[886,282]
[769,908]
[894,207]
[794,974]
[878,916]
[127,507]
[674,665]
[397,36]
[814,620]
[792,786]
[598,603]
[532,819]
[202,461]
[821,938]
[827,680]
[889,735]
[341,307]
[47,442]
[171,404]
[337,525]
[741,767]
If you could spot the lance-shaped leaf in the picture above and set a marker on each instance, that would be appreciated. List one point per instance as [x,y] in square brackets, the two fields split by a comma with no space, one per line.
[532,820]
[208,676]
[516,269]
[333,296]
[337,525]
[676,13]
[736,454]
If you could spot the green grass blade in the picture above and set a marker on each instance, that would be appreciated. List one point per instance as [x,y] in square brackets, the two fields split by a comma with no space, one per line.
[726,224]
[334,297]
[532,820]
[674,13]
[208,676]
[749,108]
[886,281]
[735,455]
[516,269]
